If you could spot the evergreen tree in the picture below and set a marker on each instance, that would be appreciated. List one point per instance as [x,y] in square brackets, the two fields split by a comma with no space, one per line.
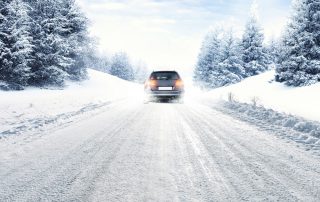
[5,50]
[121,67]
[254,56]
[230,69]
[47,68]
[300,55]
[141,72]
[220,61]
[274,50]
[98,62]
[42,42]
[209,56]
[16,42]
[72,27]
[22,42]
[60,35]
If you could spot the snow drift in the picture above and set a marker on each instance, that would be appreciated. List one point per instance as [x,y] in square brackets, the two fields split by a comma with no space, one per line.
[262,90]
[34,108]
[288,112]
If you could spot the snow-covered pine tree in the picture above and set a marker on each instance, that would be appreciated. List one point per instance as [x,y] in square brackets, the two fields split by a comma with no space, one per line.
[230,70]
[72,28]
[300,55]
[22,42]
[274,50]
[46,67]
[121,67]
[255,57]
[95,59]
[60,37]
[98,61]
[16,48]
[141,72]
[209,57]
[5,52]
[42,42]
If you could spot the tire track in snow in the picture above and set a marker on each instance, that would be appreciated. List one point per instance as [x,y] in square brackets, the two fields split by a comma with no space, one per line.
[53,179]
[268,169]
[160,152]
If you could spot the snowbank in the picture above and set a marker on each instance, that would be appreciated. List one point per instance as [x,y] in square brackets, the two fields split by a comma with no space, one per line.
[297,129]
[32,108]
[291,113]
[302,101]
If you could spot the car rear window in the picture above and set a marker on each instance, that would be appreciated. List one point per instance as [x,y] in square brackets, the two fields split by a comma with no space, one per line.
[164,76]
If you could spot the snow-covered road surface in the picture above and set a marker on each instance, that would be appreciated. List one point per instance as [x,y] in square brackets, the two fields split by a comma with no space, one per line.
[156,152]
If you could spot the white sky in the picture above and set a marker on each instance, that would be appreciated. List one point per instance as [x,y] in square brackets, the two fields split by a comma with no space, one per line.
[167,34]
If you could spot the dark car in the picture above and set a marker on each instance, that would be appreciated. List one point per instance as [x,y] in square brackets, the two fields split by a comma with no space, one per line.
[164,85]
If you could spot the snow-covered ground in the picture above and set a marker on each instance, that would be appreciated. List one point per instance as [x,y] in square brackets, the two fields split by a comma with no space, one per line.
[302,101]
[27,110]
[97,141]
[290,113]
[157,152]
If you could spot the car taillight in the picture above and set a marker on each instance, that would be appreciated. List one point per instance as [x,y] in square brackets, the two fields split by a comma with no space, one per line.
[152,83]
[179,84]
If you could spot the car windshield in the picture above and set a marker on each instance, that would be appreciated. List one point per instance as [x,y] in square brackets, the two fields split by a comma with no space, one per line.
[164,76]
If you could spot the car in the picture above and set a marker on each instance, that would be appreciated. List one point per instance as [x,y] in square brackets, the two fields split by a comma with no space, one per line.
[164,85]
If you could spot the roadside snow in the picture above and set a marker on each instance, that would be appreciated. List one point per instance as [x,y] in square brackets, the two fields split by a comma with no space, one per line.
[22,111]
[304,132]
[302,101]
[290,113]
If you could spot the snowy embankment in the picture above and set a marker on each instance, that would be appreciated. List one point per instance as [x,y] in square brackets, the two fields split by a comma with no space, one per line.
[23,111]
[284,125]
[290,112]
[300,101]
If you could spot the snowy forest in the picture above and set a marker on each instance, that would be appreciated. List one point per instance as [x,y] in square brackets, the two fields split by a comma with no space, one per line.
[225,59]
[42,42]
[46,42]
[118,64]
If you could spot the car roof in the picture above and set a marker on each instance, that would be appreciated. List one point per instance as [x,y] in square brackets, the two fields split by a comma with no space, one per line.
[165,71]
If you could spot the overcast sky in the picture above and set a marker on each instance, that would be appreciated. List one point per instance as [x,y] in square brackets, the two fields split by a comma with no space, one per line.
[167,34]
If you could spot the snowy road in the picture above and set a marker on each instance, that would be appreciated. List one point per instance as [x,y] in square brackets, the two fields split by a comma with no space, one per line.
[157,152]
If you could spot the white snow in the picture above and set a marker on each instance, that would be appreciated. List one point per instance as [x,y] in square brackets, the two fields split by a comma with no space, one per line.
[157,152]
[299,101]
[124,150]
[31,108]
